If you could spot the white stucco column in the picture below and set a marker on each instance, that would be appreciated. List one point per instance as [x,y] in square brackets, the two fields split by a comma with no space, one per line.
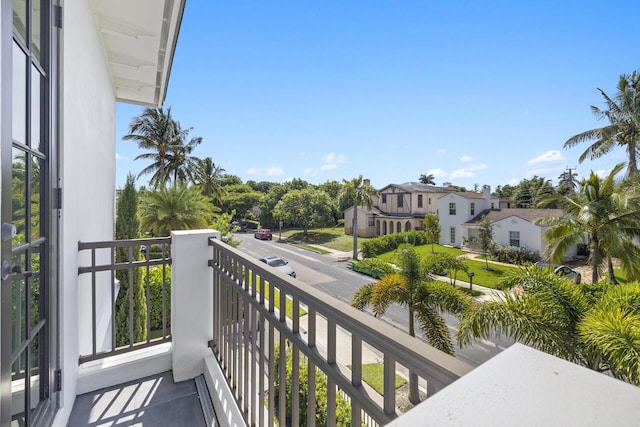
[191,301]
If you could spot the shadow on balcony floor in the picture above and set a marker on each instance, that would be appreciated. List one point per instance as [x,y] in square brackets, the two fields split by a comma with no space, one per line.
[150,401]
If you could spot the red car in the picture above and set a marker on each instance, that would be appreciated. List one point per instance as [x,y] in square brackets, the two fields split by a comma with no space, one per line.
[263,234]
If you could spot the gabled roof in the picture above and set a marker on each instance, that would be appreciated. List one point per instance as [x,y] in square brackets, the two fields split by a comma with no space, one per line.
[530,215]
[139,39]
[418,187]
[467,195]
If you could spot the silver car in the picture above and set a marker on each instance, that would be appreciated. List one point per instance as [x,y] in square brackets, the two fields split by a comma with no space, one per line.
[279,263]
[563,270]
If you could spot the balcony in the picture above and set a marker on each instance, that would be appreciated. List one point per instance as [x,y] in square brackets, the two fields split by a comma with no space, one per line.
[235,326]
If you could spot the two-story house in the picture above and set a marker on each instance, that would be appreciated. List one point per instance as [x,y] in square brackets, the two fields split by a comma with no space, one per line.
[397,208]
[457,208]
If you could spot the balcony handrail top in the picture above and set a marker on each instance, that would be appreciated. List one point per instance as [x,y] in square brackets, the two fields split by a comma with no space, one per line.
[123,243]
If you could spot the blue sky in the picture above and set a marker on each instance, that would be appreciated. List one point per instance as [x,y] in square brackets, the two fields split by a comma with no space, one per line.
[479,92]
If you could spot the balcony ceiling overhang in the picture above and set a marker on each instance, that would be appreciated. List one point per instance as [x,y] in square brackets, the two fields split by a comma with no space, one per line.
[139,39]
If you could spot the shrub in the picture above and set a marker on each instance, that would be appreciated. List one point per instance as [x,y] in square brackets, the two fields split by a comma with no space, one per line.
[373,267]
[390,242]
[155,297]
[515,255]
[343,409]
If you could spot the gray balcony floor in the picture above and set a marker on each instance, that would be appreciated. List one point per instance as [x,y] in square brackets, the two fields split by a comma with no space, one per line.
[151,401]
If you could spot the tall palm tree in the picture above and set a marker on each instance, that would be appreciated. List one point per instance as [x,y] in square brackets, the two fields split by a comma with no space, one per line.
[424,298]
[358,192]
[155,130]
[623,114]
[207,177]
[427,179]
[174,208]
[592,325]
[605,212]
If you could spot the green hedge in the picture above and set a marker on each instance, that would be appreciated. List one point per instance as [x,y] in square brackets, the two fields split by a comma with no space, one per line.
[373,267]
[390,242]
[155,297]
[515,255]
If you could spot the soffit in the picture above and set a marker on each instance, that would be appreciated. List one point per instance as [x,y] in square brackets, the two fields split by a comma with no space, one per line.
[139,39]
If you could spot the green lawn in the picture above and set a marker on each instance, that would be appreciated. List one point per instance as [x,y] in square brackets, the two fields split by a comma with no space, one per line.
[331,237]
[424,251]
[373,374]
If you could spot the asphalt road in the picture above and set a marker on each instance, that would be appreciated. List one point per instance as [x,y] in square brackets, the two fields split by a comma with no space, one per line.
[336,279]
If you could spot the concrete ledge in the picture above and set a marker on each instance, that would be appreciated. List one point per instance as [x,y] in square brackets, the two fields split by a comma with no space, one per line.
[226,408]
[125,367]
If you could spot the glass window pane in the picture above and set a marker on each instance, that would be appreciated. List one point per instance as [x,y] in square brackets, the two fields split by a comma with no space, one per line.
[19,120]
[18,305]
[34,283]
[36,29]
[18,370]
[19,195]
[34,374]
[36,106]
[20,18]
[36,178]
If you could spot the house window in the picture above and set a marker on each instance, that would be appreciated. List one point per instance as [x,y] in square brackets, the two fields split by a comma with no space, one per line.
[371,221]
[514,238]
[384,198]
[491,205]
[429,201]
[452,208]
[452,235]
[400,200]
[419,200]
[473,208]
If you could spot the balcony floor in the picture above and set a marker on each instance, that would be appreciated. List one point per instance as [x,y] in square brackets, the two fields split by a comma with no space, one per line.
[150,401]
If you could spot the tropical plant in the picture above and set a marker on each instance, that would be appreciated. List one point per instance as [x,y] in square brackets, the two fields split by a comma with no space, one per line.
[207,178]
[622,111]
[427,179]
[485,238]
[358,192]
[169,152]
[174,208]
[424,298]
[448,264]
[432,229]
[608,214]
[567,181]
[594,325]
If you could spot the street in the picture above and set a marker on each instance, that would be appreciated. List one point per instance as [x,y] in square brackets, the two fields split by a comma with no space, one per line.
[334,278]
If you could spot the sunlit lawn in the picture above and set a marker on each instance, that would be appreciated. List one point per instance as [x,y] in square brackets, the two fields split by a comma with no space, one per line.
[331,237]
[373,374]
[482,276]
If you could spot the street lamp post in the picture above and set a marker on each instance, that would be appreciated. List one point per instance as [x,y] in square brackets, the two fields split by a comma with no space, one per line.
[470,274]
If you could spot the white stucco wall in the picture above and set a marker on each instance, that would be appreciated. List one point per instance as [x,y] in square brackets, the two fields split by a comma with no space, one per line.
[531,235]
[87,172]
[447,221]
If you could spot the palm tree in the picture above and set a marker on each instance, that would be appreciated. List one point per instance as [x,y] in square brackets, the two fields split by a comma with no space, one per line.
[357,192]
[424,298]
[207,177]
[623,114]
[174,208]
[592,325]
[604,211]
[156,131]
[427,179]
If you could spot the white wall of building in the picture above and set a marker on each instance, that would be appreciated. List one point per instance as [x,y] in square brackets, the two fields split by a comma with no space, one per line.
[88,176]
[448,221]
[531,235]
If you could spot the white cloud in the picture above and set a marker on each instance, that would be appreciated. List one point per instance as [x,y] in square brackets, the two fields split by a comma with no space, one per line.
[513,181]
[549,156]
[270,171]
[602,173]
[334,158]
[441,151]
[275,171]
[437,172]
[461,173]
[466,158]
[328,167]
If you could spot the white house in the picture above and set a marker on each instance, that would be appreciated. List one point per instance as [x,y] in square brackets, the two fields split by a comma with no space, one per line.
[454,209]
[515,227]
[64,66]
